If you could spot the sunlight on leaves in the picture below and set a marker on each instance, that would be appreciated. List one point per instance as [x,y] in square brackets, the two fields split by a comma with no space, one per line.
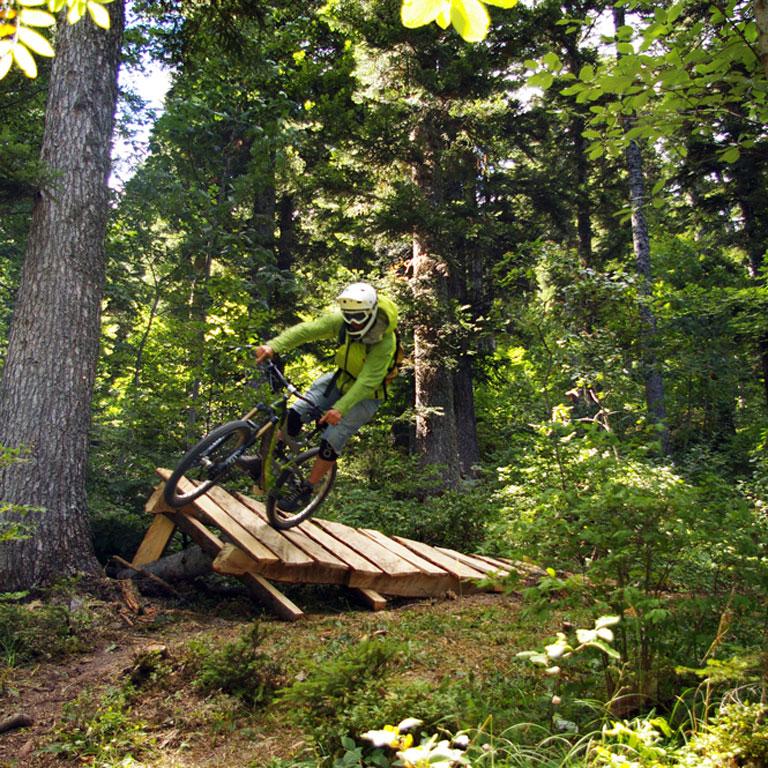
[18,41]
[469,17]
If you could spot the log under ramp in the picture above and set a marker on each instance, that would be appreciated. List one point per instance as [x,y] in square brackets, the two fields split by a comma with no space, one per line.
[233,530]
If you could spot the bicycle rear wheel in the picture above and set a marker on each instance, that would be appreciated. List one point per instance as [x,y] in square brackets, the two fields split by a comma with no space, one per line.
[208,462]
[289,480]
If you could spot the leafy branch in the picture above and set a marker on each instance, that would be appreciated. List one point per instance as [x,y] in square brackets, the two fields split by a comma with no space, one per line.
[20,19]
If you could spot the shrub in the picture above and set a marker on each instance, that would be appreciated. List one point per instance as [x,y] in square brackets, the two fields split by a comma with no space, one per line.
[238,669]
[34,631]
[338,695]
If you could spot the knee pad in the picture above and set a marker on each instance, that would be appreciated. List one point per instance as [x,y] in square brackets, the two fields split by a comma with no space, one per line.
[326,451]
[293,423]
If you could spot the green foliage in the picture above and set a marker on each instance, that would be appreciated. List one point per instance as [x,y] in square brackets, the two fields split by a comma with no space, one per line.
[102,730]
[35,631]
[737,736]
[342,694]
[239,669]
[636,532]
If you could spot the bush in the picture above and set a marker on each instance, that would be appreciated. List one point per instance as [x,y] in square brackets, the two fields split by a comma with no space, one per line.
[338,695]
[737,737]
[238,669]
[32,632]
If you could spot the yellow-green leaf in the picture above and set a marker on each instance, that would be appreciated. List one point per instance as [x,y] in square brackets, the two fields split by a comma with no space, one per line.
[32,18]
[99,14]
[35,42]
[5,65]
[470,19]
[25,60]
[74,14]
[417,13]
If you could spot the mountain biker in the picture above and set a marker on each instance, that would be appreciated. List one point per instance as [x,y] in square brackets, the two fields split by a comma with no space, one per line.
[364,325]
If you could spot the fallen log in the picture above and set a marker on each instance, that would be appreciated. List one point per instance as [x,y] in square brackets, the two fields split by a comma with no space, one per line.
[14,722]
[187,564]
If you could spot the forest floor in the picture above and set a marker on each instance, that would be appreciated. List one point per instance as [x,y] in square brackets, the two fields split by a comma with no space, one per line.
[467,636]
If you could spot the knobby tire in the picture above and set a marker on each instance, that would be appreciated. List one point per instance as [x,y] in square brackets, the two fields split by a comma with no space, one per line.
[192,464]
[302,465]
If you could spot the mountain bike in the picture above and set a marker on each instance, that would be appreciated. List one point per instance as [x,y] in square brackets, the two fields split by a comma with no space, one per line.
[277,463]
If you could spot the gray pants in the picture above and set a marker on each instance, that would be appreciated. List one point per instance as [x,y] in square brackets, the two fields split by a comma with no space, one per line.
[324,398]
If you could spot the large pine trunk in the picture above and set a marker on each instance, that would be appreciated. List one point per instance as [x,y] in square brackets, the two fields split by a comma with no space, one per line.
[436,432]
[48,378]
[436,428]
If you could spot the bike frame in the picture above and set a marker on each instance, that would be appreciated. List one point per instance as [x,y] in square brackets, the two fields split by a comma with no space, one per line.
[277,414]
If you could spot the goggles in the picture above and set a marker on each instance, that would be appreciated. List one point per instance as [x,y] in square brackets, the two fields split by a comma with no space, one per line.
[356,317]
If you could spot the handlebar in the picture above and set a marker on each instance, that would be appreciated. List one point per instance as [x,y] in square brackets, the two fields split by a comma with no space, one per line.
[278,380]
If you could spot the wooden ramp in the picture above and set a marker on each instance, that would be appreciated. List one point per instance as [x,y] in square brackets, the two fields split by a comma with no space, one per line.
[234,531]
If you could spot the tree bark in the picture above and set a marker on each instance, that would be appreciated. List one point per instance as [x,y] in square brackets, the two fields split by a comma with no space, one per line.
[654,382]
[48,378]
[761,21]
[752,196]
[436,429]
[436,433]
[651,371]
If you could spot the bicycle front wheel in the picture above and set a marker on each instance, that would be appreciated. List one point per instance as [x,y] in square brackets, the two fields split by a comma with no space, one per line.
[209,462]
[288,482]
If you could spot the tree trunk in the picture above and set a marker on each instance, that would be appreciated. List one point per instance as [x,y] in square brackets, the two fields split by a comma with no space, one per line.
[651,371]
[654,382]
[436,430]
[45,395]
[748,174]
[761,21]
[436,433]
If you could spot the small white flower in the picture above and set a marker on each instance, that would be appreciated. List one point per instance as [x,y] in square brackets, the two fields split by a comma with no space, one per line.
[379,738]
[408,723]
[461,741]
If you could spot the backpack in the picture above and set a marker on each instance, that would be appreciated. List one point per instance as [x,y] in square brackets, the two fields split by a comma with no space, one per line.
[399,359]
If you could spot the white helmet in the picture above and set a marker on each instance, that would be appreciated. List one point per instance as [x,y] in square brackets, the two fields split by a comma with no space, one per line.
[358,304]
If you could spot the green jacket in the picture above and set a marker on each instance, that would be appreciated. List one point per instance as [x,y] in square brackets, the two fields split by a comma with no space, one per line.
[363,364]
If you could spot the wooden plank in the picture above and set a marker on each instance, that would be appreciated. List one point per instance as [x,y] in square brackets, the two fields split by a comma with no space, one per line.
[155,540]
[361,572]
[473,562]
[449,563]
[259,588]
[155,503]
[208,541]
[401,551]
[213,513]
[232,560]
[503,567]
[270,596]
[286,552]
[440,580]
[299,538]
[372,599]
[391,564]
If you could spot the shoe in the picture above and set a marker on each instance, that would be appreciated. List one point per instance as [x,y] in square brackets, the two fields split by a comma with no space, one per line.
[251,465]
[295,498]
